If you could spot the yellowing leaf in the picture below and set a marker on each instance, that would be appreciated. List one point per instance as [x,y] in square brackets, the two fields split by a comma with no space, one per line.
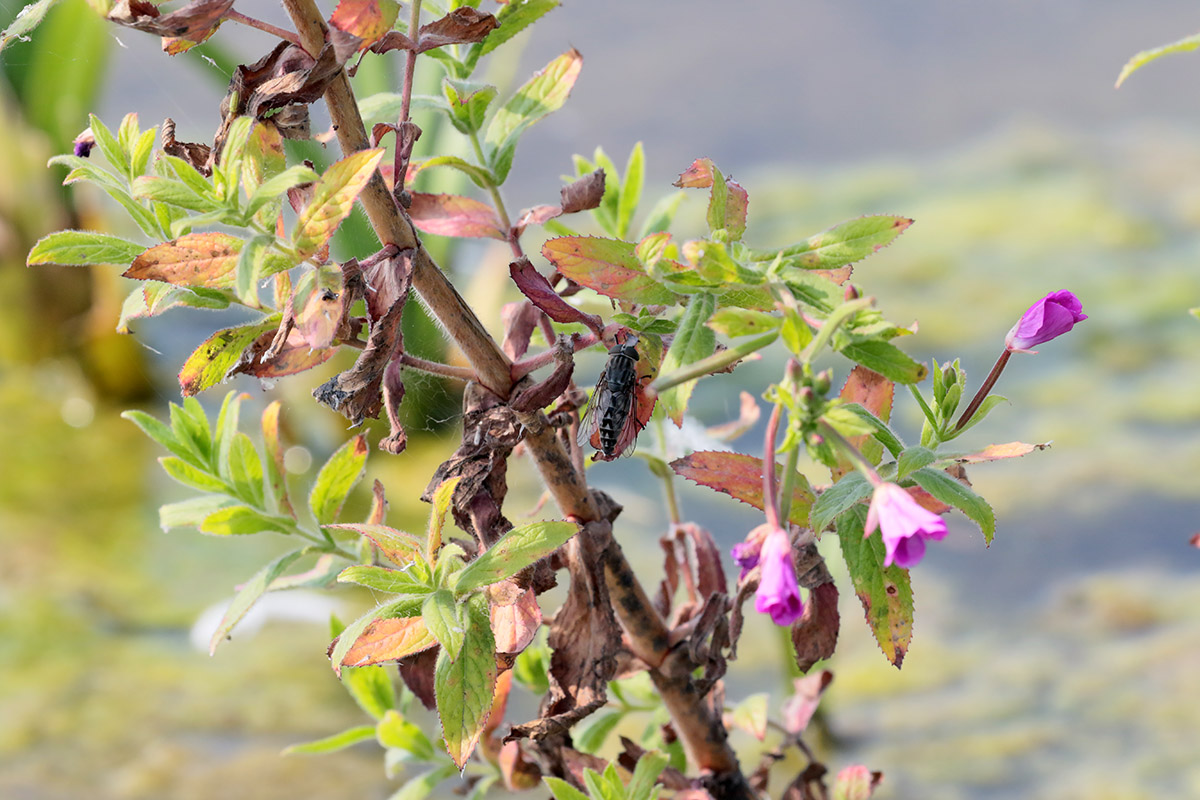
[366,19]
[388,640]
[332,200]
[197,259]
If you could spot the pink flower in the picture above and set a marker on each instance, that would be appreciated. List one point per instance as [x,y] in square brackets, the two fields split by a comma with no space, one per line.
[778,592]
[1047,319]
[903,523]
[746,553]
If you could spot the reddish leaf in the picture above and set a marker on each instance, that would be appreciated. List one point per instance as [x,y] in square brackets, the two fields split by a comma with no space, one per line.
[520,320]
[367,20]
[379,505]
[875,393]
[389,640]
[927,501]
[1195,540]
[996,452]
[698,176]
[740,477]
[455,215]
[536,216]
[515,625]
[856,783]
[806,695]
[748,416]
[608,266]
[544,392]
[397,546]
[539,291]
[461,26]
[519,773]
[197,259]
[295,355]
[489,742]
[736,207]
[195,21]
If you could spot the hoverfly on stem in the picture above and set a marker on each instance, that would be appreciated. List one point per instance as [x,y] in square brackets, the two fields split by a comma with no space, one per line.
[620,406]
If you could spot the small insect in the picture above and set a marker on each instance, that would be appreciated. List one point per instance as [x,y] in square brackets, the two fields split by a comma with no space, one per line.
[611,415]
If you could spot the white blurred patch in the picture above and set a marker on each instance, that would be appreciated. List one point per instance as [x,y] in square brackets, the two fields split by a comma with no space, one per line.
[691,437]
[297,459]
[78,412]
[290,606]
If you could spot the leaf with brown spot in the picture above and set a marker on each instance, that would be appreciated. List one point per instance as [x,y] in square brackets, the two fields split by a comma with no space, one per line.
[295,355]
[455,215]
[608,266]
[740,477]
[333,198]
[368,20]
[215,360]
[389,640]
[697,176]
[319,306]
[885,593]
[197,259]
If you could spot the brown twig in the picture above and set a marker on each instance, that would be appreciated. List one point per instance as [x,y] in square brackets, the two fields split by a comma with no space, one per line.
[286,35]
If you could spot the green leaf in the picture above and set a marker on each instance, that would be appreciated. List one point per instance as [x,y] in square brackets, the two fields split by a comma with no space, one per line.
[173,192]
[83,248]
[157,430]
[246,471]
[563,790]
[1146,56]
[249,269]
[249,594]
[244,520]
[694,340]
[421,786]
[212,361]
[590,737]
[662,214]
[333,199]
[226,429]
[371,687]
[631,189]
[530,669]
[913,458]
[842,244]
[886,594]
[331,744]
[600,788]
[953,493]
[608,266]
[26,20]
[437,516]
[513,552]
[513,17]
[839,498]
[646,774]
[109,146]
[464,686]
[396,732]
[395,581]
[468,103]
[336,478]
[478,175]
[881,431]
[542,94]
[734,322]
[190,513]
[277,186]
[192,476]
[886,359]
[441,618]
[191,428]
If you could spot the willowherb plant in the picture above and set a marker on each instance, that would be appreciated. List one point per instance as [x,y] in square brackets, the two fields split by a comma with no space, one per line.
[463,619]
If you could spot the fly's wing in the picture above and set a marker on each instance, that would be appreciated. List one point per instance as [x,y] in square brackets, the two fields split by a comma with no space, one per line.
[627,440]
[589,423]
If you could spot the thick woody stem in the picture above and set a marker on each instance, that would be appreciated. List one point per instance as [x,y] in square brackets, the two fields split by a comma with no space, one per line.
[697,723]
[393,226]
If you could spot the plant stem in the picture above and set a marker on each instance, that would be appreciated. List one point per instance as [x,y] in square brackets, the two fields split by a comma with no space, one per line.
[770,487]
[851,452]
[673,514]
[789,481]
[286,35]
[982,394]
[713,363]
[410,63]
[435,368]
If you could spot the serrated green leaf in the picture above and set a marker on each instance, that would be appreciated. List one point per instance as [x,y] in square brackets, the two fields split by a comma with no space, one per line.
[840,497]
[437,516]
[83,248]
[442,619]
[513,17]
[333,199]
[985,408]
[371,687]
[734,322]
[513,552]
[953,493]
[249,594]
[694,340]
[464,686]
[337,477]
[886,359]
[842,244]
[395,581]
[885,593]
[607,266]
[191,476]
[173,192]
[243,521]
[1146,56]
[26,20]
[108,145]
[913,458]
[277,186]
[542,94]
[880,429]
[212,361]
[331,744]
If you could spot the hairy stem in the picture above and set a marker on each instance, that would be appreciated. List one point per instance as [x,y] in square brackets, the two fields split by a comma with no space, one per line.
[286,35]
[770,487]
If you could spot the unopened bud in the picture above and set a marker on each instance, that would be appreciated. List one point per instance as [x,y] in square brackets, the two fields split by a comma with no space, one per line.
[823,381]
[851,292]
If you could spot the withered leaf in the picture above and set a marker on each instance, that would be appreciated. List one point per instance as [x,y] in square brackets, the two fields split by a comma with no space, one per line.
[806,695]
[366,20]
[263,360]
[417,673]
[815,634]
[584,194]
[461,26]
[543,393]
[196,259]
[194,22]
[515,625]
[539,291]
[520,321]
[193,153]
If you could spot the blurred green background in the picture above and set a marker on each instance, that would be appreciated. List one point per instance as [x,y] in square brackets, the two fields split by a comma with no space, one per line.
[1059,663]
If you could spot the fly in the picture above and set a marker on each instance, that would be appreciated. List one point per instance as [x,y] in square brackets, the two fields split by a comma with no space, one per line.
[611,417]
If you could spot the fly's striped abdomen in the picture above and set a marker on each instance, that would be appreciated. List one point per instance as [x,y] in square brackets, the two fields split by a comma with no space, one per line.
[621,376]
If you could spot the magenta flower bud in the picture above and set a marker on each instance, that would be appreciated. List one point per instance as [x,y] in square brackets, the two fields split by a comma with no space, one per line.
[746,553]
[903,523]
[1047,319]
[778,591]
